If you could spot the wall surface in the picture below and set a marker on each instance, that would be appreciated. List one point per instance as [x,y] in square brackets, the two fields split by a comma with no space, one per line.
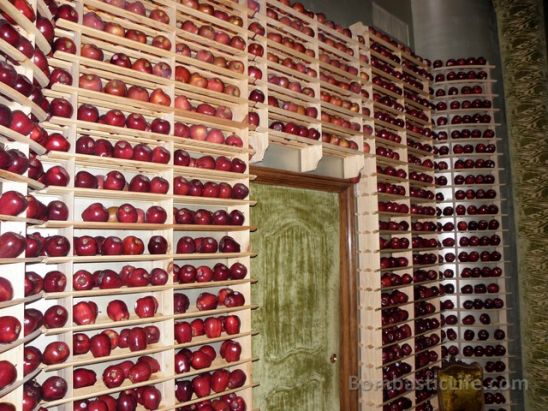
[447,29]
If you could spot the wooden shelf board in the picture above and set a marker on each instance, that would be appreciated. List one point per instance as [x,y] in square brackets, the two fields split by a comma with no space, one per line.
[324,66]
[4,217]
[24,300]
[18,383]
[338,90]
[336,52]
[340,111]
[217,364]
[290,72]
[116,355]
[378,56]
[464,81]
[463,96]
[391,179]
[390,161]
[137,196]
[28,26]
[379,72]
[289,52]
[103,322]
[17,97]
[26,339]
[12,135]
[205,340]
[282,92]
[417,120]
[222,310]
[278,113]
[194,285]
[275,26]
[93,225]
[343,131]
[18,260]
[24,61]
[416,167]
[390,143]
[286,139]
[418,91]
[147,137]
[107,291]
[468,125]
[388,109]
[464,67]
[338,151]
[415,104]
[387,92]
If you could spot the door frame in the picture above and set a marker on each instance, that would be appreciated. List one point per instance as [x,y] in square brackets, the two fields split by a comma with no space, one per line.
[348,339]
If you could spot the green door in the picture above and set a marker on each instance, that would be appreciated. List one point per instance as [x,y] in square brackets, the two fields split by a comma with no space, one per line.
[297,268]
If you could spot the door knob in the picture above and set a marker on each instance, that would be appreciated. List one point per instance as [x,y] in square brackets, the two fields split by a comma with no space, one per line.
[333,358]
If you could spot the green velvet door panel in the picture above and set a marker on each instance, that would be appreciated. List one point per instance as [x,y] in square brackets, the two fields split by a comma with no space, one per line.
[297,269]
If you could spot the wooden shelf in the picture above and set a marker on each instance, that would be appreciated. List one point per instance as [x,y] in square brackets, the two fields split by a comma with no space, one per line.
[133,135]
[466,111]
[387,92]
[466,81]
[116,355]
[465,67]
[289,52]
[464,96]
[9,176]
[77,199]
[324,66]
[178,199]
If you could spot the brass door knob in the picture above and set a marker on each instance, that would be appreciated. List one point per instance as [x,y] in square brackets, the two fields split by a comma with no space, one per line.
[333,358]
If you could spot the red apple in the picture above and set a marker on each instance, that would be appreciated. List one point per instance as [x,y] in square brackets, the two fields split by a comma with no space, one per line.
[10,328]
[55,353]
[133,245]
[157,245]
[230,350]
[55,281]
[91,51]
[84,313]
[87,112]
[54,388]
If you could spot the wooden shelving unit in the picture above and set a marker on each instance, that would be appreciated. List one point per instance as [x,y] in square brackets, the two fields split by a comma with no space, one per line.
[466,336]
[420,154]
[400,311]
[299,93]
[292,113]
[77,199]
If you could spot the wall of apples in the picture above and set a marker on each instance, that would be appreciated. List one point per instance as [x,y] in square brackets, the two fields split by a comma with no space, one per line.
[440,40]
[397,229]
[110,300]
[469,204]
[304,111]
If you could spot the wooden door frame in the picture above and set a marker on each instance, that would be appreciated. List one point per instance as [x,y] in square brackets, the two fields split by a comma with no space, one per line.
[348,353]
